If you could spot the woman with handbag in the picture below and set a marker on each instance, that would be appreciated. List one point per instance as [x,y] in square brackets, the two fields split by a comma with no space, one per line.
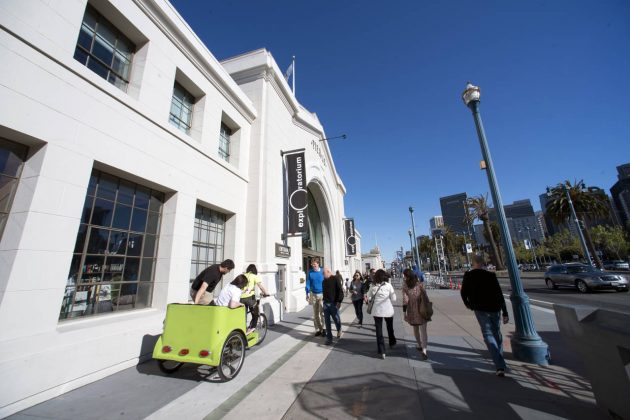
[415,303]
[379,299]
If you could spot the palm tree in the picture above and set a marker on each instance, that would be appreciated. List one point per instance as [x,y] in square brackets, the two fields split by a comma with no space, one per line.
[478,207]
[588,206]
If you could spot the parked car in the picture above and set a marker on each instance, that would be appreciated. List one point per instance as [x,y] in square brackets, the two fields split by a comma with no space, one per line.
[616,265]
[584,278]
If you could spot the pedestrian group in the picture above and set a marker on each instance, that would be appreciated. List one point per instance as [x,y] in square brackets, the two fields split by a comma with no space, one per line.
[325,292]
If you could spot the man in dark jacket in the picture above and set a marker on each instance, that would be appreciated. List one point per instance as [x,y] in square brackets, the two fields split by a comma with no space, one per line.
[482,293]
[205,283]
[332,298]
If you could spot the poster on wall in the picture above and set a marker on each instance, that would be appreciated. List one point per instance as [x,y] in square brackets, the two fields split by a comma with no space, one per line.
[296,193]
[351,240]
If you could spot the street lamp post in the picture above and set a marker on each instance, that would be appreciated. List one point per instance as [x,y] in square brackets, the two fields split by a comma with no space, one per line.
[587,254]
[413,226]
[531,244]
[527,346]
[413,257]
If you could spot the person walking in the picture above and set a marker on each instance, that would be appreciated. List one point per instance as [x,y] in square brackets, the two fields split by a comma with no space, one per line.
[332,298]
[356,295]
[413,294]
[382,292]
[314,295]
[482,293]
[204,284]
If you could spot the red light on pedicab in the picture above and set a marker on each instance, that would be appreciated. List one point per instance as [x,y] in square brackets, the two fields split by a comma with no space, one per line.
[183,352]
[166,349]
[204,353]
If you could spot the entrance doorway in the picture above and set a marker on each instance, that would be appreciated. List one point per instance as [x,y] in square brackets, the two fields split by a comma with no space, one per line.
[307,257]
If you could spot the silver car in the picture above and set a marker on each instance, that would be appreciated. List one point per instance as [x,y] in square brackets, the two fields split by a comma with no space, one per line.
[584,278]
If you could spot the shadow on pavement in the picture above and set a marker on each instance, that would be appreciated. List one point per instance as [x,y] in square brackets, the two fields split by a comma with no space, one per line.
[444,390]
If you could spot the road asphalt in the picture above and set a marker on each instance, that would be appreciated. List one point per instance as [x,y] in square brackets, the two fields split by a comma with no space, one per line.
[294,375]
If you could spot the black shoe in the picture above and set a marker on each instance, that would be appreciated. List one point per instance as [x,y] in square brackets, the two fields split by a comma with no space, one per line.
[318,333]
[328,342]
[500,373]
[392,344]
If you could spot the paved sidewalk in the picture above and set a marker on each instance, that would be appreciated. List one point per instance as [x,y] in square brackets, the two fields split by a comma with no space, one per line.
[293,375]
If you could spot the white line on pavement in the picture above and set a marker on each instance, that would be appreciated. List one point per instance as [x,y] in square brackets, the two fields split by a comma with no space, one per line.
[540,308]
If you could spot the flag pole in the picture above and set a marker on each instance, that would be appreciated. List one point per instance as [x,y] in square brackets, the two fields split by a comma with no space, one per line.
[293,78]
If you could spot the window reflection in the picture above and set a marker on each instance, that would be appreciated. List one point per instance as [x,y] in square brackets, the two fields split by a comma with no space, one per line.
[117,230]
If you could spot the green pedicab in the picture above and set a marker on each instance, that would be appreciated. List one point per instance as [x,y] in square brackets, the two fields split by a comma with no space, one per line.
[205,335]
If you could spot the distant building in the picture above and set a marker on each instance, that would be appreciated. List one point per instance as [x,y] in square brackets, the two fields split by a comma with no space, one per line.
[621,194]
[609,220]
[478,232]
[372,259]
[436,222]
[522,221]
[453,212]
[540,222]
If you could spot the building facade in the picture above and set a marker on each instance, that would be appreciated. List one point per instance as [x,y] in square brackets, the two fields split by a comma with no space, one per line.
[133,159]
[454,213]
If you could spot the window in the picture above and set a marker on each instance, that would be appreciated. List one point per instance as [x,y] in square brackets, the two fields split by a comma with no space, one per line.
[208,240]
[112,268]
[12,156]
[224,142]
[103,49]
[181,108]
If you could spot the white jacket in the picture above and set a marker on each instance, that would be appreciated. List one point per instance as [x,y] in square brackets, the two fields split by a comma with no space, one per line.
[382,300]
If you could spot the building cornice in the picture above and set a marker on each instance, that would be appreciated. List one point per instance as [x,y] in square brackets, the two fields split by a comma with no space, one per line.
[173,26]
[260,64]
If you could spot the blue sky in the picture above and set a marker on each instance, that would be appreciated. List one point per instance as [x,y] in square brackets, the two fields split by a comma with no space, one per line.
[554,76]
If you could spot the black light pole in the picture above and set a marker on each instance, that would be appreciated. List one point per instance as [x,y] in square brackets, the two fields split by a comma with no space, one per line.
[527,346]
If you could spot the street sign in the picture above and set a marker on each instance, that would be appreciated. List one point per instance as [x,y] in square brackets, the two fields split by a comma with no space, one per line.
[469,249]
[527,244]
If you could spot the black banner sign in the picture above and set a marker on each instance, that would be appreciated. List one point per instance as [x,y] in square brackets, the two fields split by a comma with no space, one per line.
[296,191]
[351,240]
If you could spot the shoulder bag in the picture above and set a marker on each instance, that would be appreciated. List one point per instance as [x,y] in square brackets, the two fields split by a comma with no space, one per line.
[426,306]
[371,302]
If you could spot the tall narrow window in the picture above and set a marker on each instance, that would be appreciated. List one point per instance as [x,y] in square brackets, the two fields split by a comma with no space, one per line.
[224,142]
[112,268]
[103,49]
[12,156]
[208,240]
[181,108]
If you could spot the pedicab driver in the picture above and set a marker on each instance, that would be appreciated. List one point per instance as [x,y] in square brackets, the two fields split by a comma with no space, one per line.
[203,286]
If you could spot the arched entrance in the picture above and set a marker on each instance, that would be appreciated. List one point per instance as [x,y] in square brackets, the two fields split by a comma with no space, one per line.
[316,242]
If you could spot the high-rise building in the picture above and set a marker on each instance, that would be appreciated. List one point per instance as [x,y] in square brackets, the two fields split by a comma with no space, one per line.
[540,222]
[611,218]
[436,223]
[453,212]
[522,221]
[621,194]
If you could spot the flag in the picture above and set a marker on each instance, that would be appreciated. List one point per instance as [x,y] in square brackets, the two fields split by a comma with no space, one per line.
[289,72]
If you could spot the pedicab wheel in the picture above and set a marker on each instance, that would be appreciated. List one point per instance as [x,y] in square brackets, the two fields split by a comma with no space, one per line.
[169,366]
[261,328]
[232,356]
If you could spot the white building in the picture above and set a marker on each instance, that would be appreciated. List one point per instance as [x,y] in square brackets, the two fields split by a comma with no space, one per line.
[372,259]
[131,159]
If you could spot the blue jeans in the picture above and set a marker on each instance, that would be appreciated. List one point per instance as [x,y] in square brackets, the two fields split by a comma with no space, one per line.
[330,310]
[490,323]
